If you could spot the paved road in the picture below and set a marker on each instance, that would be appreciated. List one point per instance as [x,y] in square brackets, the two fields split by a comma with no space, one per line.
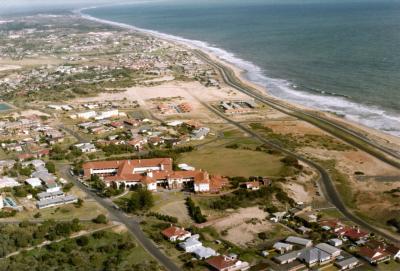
[131,223]
[326,182]
[385,154]
[73,133]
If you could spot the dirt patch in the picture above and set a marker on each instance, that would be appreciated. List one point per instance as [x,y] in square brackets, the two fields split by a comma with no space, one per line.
[243,226]
[294,127]
[176,209]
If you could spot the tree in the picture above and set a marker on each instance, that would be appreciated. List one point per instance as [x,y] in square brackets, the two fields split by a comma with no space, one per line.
[195,211]
[67,187]
[82,241]
[79,203]
[141,200]
[51,167]
[100,219]
[146,199]
[97,183]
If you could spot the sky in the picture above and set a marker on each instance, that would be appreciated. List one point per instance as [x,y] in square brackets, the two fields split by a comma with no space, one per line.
[12,7]
[8,7]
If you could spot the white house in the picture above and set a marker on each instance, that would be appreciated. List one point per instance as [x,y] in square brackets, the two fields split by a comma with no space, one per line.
[8,182]
[347,264]
[331,250]
[282,247]
[34,182]
[86,147]
[335,242]
[174,234]
[191,244]
[299,241]
[204,252]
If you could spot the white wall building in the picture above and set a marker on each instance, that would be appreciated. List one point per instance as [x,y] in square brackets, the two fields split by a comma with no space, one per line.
[86,115]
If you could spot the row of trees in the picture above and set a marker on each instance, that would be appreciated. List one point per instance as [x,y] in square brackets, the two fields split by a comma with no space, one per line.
[195,211]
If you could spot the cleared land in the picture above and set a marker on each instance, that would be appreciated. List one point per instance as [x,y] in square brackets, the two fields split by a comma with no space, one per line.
[234,162]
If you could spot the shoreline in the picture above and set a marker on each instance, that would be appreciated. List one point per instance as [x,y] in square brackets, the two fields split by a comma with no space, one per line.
[385,138]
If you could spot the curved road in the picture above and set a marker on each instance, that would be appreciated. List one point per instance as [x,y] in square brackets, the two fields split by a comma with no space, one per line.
[131,223]
[352,137]
[328,187]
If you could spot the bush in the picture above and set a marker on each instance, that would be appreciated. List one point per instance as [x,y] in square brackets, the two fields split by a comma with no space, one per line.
[82,241]
[51,167]
[167,218]
[67,187]
[140,200]
[100,219]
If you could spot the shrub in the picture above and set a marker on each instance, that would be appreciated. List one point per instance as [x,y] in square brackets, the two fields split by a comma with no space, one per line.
[100,219]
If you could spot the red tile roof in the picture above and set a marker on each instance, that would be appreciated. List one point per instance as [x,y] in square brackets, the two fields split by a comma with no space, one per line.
[217,183]
[124,171]
[354,233]
[373,254]
[221,262]
[174,231]
[127,166]
[392,249]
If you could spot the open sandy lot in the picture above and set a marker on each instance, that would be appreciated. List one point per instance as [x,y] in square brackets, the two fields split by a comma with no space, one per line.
[243,226]
[177,91]
[9,67]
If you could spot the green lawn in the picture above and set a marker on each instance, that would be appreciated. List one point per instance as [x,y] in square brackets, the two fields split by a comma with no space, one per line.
[233,162]
[391,266]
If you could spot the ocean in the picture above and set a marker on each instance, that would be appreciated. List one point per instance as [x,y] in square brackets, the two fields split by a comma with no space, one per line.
[337,56]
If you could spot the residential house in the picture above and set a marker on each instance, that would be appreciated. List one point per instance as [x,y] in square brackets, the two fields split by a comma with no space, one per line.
[282,248]
[174,234]
[200,133]
[334,252]
[8,182]
[304,230]
[312,256]
[203,253]
[374,256]
[347,264]
[353,233]
[130,123]
[86,147]
[34,182]
[191,244]
[254,185]
[51,202]
[288,257]
[335,242]
[226,263]
[299,241]
[395,251]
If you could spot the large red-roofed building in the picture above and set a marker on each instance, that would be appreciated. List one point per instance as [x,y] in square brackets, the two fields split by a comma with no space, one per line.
[151,173]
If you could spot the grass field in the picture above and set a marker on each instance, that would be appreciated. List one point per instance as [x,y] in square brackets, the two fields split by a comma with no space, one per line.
[172,204]
[89,210]
[218,159]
